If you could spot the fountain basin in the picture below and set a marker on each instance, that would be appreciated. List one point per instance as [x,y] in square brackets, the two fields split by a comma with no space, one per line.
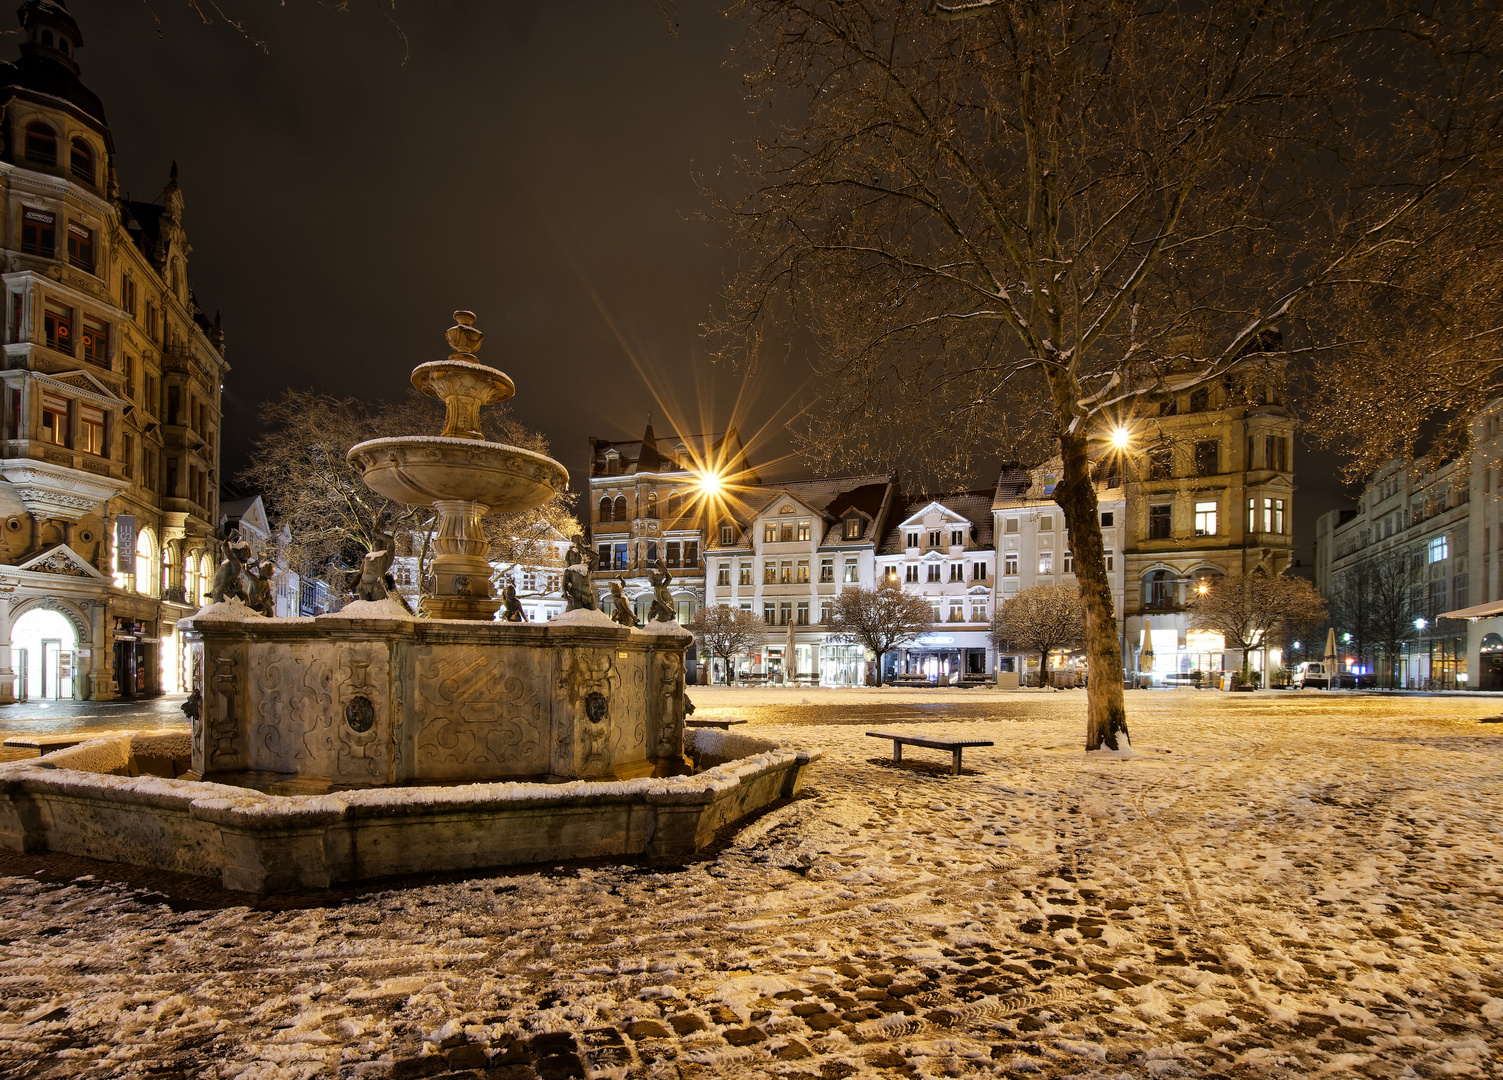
[85,801]
[423,469]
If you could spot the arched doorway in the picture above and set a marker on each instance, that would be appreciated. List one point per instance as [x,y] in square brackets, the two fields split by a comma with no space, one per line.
[1490,663]
[44,652]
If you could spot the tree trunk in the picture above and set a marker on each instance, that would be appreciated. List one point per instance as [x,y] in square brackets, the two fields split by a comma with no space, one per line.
[1043,667]
[1106,713]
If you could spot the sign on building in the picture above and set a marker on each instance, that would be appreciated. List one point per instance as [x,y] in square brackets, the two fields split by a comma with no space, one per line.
[125,543]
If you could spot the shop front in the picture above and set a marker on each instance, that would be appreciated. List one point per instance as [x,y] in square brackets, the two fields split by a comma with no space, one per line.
[137,670]
[943,659]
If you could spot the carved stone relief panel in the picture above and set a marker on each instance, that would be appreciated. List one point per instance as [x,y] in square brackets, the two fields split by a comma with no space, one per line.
[225,700]
[364,714]
[667,703]
[481,713]
[293,690]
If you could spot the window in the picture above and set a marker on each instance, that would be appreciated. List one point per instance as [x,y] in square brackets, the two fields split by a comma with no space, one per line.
[1106,519]
[1200,399]
[1459,591]
[785,572]
[745,576]
[1159,589]
[41,144]
[96,342]
[174,403]
[1273,515]
[827,570]
[978,571]
[128,294]
[769,572]
[957,571]
[691,554]
[652,552]
[978,612]
[850,570]
[913,539]
[727,536]
[933,572]
[1160,463]
[684,609]
[620,557]
[934,538]
[128,453]
[605,557]
[1010,564]
[90,429]
[1252,515]
[54,419]
[910,573]
[1046,562]
[145,562]
[957,611]
[826,611]
[892,575]
[17,316]
[769,613]
[652,504]
[852,530]
[81,246]
[785,613]
[1109,561]
[529,581]
[38,232]
[620,514]
[1439,549]
[1158,522]
[803,530]
[803,572]
[605,510]
[1046,523]
[1010,525]
[770,533]
[803,613]
[673,504]
[1069,563]
[1275,452]
[1207,457]
[1205,519]
[957,537]
[785,531]
[670,557]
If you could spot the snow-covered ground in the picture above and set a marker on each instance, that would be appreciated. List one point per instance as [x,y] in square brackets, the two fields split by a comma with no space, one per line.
[1275,886]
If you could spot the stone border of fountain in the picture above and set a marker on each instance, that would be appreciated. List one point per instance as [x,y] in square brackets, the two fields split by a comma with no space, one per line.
[84,801]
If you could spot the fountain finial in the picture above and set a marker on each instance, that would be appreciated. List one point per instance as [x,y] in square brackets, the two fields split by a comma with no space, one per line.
[463,338]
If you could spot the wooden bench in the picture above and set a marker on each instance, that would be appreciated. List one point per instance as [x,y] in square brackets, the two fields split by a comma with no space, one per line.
[932,742]
[723,725]
[45,744]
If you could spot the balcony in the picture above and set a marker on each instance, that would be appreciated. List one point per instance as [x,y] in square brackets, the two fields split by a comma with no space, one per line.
[59,483]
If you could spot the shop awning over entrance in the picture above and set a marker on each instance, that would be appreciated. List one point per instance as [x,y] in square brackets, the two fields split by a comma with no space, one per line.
[1476,611]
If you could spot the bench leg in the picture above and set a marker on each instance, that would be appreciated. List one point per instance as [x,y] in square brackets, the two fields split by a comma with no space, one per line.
[897,752]
[957,761]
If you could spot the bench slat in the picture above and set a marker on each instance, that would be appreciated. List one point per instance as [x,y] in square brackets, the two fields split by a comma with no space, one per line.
[932,742]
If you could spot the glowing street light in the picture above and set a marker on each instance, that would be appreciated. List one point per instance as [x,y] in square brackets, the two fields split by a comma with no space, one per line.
[1121,437]
[1420,624]
[710,483]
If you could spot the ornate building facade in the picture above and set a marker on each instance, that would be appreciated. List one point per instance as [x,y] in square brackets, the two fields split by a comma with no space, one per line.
[111,384]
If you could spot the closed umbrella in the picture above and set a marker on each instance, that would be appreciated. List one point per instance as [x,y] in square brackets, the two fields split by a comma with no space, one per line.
[1145,655]
[1331,658]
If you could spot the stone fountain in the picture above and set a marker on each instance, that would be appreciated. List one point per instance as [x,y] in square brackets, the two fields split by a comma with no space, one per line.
[369,742]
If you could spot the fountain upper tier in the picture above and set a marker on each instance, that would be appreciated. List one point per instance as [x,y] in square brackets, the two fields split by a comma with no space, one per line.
[459,464]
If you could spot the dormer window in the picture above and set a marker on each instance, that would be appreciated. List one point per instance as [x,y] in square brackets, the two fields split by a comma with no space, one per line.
[41,144]
[852,528]
[81,161]
[47,38]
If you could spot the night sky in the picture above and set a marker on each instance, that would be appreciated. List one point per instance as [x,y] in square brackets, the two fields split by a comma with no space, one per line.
[539,163]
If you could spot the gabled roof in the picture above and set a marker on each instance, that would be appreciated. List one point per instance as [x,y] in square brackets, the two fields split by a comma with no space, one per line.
[673,453]
[63,560]
[972,506]
[830,500]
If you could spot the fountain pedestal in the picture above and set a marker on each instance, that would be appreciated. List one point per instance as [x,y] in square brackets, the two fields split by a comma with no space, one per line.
[461,575]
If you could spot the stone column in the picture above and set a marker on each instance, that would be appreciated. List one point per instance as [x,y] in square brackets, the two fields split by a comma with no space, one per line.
[101,652]
[7,675]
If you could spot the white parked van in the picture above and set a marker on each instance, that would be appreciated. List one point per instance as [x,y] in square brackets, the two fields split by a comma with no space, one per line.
[1310,673]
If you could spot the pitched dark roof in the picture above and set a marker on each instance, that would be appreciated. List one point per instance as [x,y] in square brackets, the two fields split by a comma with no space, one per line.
[974,506]
[47,76]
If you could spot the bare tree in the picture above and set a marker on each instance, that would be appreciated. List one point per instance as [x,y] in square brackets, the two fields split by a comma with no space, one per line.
[1255,609]
[727,631]
[881,619]
[332,518]
[1388,588]
[1022,222]
[1040,620]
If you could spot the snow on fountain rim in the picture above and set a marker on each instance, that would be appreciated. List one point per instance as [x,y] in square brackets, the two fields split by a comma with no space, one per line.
[385,608]
[224,800]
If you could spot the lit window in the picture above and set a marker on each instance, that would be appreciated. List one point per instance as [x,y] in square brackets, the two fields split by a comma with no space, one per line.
[91,429]
[803,530]
[803,572]
[96,342]
[745,576]
[827,570]
[54,419]
[957,611]
[1440,549]
[1046,562]
[978,613]
[57,326]
[852,531]
[1205,519]
[850,570]
[786,531]
[770,533]
[770,572]
[785,572]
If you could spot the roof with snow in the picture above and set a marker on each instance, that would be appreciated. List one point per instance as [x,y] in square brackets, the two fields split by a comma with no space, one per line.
[974,506]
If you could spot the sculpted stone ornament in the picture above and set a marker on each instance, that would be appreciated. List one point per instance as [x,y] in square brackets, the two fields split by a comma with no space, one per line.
[662,599]
[371,584]
[578,591]
[621,610]
[259,597]
[228,583]
[511,607]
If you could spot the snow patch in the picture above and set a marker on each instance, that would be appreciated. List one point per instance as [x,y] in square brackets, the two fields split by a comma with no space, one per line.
[584,617]
[385,608]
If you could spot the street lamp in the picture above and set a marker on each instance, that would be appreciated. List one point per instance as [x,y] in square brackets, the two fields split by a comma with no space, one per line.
[1420,624]
[710,483]
[1120,437]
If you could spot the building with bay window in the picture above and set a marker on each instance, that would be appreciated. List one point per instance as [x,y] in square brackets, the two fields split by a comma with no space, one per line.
[111,385]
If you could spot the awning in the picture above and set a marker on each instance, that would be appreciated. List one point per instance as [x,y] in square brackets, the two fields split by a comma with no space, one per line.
[1476,611]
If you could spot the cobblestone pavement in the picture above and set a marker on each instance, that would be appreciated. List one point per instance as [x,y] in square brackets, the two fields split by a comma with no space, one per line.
[1275,886]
